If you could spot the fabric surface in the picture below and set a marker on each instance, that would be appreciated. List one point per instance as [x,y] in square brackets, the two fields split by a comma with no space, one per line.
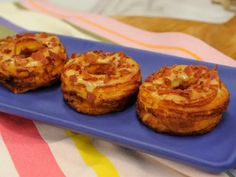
[29,148]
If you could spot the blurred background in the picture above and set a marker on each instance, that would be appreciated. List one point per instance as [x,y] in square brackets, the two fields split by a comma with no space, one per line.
[201,10]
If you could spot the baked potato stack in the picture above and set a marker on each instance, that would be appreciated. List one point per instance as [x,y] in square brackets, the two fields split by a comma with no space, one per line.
[182,100]
[98,82]
[29,61]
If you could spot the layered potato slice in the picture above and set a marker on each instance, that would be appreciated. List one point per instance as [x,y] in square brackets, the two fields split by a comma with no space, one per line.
[99,82]
[29,61]
[182,100]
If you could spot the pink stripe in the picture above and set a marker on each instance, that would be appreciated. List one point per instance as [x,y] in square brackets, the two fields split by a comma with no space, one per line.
[206,52]
[190,43]
[30,153]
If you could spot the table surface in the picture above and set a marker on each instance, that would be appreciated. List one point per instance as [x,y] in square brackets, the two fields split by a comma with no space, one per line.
[221,36]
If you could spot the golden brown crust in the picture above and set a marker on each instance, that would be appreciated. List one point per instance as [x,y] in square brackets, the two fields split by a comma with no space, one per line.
[100,82]
[29,61]
[182,100]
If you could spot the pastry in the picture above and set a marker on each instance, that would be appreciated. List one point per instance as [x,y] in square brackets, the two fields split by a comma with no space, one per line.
[182,100]
[99,82]
[29,61]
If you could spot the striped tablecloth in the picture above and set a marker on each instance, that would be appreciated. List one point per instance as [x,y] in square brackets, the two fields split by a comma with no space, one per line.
[33,149]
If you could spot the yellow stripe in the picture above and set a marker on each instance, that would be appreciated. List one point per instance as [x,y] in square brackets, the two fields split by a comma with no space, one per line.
[101,165]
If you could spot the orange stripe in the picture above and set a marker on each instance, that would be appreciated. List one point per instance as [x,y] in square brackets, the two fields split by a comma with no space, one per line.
[195,56]
[34,4]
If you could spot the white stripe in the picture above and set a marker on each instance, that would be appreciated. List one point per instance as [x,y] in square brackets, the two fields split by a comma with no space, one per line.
[35,21]
[133,163]
[64,151]
[140,164]
[189,171]
[6,164]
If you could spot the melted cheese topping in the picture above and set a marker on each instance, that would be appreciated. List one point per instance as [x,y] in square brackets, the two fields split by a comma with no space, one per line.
[111,60]
[196,89]
[28,43]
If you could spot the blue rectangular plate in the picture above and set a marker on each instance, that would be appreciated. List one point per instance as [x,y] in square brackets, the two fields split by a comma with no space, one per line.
[214,152]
